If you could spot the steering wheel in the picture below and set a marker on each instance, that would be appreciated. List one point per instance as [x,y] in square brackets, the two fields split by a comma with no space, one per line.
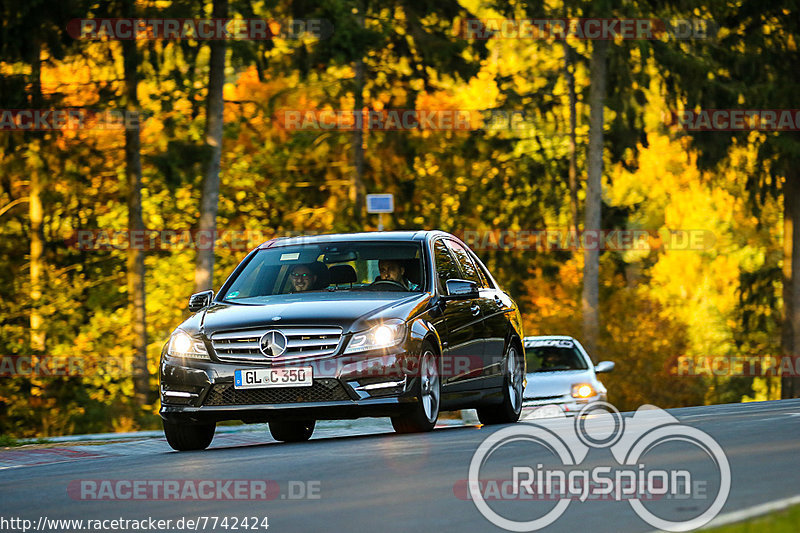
[375,285]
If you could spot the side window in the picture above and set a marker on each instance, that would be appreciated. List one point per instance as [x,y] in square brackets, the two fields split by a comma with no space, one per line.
[446,268]
[484,284]
[468,269]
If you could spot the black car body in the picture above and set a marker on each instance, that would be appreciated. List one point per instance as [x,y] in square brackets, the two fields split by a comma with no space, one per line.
[444,337]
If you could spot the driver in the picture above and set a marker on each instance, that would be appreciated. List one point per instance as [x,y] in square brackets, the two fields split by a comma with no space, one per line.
[552,359]
[302,278]
[392,270]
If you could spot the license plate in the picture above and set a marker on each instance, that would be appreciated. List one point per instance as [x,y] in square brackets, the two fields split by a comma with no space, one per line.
[254,378]
[545,411]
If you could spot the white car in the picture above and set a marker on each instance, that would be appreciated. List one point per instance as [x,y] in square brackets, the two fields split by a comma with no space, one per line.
[561,377]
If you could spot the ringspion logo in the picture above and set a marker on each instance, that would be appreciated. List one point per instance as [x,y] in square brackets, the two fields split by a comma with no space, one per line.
[658,493]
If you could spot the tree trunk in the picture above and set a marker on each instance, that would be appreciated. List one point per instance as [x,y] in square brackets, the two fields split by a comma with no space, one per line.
[357,181]
[591,254]
[357,194]
[573,158]
[37,249]
[135,262]
[35,213]
[790,339]
[209,204]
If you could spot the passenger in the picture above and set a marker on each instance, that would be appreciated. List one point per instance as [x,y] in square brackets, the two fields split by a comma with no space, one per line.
[302,278]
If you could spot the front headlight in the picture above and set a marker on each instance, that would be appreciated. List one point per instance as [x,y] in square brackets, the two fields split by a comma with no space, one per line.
[181,344]
[583,390]
[384,335]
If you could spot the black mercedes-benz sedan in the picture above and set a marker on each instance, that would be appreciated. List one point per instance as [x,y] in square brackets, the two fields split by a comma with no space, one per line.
[397,324]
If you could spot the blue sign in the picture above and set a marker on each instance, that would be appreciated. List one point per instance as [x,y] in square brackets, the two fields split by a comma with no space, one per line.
[380,203]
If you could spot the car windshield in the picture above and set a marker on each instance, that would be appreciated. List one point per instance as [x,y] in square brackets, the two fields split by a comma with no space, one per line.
[371,266]
[553,355]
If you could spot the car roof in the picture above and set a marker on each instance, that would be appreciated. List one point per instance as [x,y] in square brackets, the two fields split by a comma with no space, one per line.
[418,235]
[553,337]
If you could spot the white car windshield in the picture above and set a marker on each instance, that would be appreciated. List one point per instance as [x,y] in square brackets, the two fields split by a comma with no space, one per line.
[553,355]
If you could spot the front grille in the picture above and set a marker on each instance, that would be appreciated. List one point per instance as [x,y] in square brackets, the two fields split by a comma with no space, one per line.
[301,342]
[323,390]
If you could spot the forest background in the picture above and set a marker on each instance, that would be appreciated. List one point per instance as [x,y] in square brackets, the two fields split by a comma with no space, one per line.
[564,134]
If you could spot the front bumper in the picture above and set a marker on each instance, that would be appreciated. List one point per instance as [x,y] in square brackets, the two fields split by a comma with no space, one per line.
[567,404]
[344,387]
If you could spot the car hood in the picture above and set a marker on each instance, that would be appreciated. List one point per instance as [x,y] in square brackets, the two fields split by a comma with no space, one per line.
[558,383]
[352,311]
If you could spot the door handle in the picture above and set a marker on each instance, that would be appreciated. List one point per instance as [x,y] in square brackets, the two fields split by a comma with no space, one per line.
[476,309]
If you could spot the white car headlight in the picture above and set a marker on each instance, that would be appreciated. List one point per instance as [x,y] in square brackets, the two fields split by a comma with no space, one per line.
[384,335]
[181,344]
[583,390]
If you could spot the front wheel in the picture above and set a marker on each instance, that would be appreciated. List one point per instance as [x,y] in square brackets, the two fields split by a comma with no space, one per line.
[426,412]
[188,437]
[292,430]
[508,411]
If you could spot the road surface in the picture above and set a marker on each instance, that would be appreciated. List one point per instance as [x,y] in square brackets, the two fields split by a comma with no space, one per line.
[380,482]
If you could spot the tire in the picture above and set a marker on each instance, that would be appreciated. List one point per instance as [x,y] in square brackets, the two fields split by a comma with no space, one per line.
[509,410]
[429,393]
[188,437]
[292,430]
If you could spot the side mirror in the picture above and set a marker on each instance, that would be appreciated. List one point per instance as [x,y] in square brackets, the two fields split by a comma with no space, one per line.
[604,366]
[200,300]
[460,289]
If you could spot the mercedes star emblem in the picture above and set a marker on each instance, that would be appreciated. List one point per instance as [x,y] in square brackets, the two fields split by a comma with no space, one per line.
[273,343]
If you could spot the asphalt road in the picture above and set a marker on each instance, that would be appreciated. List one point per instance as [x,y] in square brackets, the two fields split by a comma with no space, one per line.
[384,482]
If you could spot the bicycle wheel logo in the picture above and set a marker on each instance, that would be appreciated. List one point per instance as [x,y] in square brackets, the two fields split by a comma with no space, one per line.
[601,426]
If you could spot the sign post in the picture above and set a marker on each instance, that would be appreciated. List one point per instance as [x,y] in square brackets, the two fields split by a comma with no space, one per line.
[380,203]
